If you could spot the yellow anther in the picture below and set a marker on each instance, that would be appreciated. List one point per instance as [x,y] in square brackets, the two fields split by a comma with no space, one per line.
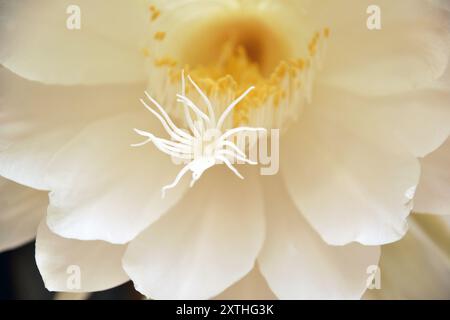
[160,35]
[154,12]
[165,62]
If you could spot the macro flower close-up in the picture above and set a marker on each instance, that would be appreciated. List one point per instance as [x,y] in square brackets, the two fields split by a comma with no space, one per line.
[229,149]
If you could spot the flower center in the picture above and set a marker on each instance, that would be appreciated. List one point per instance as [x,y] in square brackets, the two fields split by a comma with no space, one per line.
[205,144]
[226,53]
[263,47]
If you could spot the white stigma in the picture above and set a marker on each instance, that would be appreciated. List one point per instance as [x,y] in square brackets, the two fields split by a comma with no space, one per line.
[205,144]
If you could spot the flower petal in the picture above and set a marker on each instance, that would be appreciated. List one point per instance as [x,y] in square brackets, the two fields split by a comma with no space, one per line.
[410,50]
[61,261]
[252,287]
[339,170]
[21,210]
[296,262]
[37,44]
[104,189]
[37,120]
[416,121]
[206,243]
[433,192]
[418,266]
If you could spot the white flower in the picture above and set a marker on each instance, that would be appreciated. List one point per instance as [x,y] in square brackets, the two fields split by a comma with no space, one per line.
[357,108]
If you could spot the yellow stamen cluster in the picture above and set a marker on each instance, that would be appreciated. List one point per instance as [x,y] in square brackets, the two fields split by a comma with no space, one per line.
[235,72]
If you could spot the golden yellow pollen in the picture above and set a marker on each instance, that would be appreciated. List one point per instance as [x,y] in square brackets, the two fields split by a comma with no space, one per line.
[312,47]
[160,35]
[167,62]
[154,12]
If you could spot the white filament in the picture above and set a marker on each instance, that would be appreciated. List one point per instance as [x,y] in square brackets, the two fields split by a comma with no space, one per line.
[214,149]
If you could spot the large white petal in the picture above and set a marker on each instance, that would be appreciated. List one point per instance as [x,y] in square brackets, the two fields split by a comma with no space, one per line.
[418,266]
[298,264]
[104,189]
[252,287]
[416,121]
[351,182]
[21,210]
[37,120]
[37,45]
[410,51]
[433,192]
[203,245]
[61,261]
